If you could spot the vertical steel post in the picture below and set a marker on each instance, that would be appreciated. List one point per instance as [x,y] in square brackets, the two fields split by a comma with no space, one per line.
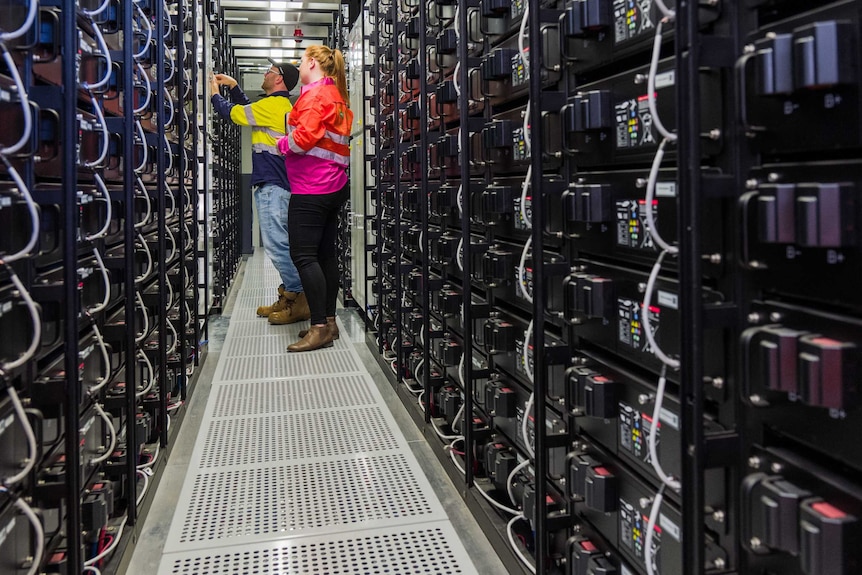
[691,357]
[540,466]
[70,285]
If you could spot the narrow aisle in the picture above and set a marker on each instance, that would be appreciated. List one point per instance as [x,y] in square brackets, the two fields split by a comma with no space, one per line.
[299,467]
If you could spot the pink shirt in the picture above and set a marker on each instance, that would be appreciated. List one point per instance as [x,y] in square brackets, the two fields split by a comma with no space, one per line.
[310,174]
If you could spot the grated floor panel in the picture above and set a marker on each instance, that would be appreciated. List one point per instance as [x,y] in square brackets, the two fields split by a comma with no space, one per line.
[433,549]
[299,467]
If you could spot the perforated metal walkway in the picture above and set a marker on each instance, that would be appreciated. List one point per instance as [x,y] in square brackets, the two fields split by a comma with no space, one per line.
[299,467]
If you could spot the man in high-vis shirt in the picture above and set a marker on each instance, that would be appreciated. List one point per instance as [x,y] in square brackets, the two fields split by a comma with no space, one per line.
[269,179]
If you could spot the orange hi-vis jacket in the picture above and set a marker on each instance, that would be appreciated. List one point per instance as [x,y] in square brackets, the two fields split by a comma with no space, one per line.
[317,145]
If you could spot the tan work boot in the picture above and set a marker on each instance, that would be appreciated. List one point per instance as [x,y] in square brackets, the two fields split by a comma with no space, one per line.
[289,313]
[280,304]
[330,323]
[299,307]
[316,338]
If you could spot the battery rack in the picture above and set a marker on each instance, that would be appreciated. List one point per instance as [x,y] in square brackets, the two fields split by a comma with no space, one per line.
[663,200]
[101,301]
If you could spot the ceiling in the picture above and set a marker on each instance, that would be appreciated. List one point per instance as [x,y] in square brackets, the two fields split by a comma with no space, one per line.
[264,28]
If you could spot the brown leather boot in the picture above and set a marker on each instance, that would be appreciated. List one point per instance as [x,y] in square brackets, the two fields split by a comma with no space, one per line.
[279,305]
[316,338]
[286,316]
[330,323]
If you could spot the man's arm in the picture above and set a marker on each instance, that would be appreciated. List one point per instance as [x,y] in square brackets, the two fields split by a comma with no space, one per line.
[222,106]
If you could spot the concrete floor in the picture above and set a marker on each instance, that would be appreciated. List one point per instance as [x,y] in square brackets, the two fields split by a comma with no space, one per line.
[153,534]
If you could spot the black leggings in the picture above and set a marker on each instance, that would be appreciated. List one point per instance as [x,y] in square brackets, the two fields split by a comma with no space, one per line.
[312,224]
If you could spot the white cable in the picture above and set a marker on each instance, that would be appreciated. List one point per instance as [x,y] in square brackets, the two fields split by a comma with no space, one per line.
[459,254]
[651,77]
[527,408]
[109,64]
[459,414]
[442,435]
[173,65]
[111,430]
[152,379]
[645,319]
[146,249]
[524,188]
[142,473]
[35,319]
[499,506]
[524,353]
[526,129]
[173,244]
[28,431]
[149,203]
[101,382]
[451,449]
[514,545]
[103,125]
[653,517]
[511,479]
[37,527]
[653,432]
[170,167]
[167,15]
[31,209]
[25,27]
[668,13]
[522,271]
[149,32]
[522,38]
[460,200]
[149,89]
[152,460]
[143,137]
[100,183]
[170,295]
[455,74]
[650,194]
[176,340]
[24,100]
[110,548]
[97,11]
[141,336]
[170,195]
[171,107]
[106,282]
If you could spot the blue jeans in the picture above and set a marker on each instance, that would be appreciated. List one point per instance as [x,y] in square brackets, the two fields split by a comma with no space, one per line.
[272,207]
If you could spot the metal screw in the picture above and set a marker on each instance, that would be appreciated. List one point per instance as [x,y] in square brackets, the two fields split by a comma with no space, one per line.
[714,134]
[712,258]
[641,183]
[645,502]
[751,184]
[718,516]
[748,49]
[754,462]
[718,382]
[754,317]
[719,563]
[776,468]
[641,287]
[645,398]
[755,543]
[640,78]
[773,177]
[775,316]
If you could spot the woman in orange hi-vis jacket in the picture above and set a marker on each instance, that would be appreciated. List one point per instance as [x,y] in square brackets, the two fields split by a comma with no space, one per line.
[316,154]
